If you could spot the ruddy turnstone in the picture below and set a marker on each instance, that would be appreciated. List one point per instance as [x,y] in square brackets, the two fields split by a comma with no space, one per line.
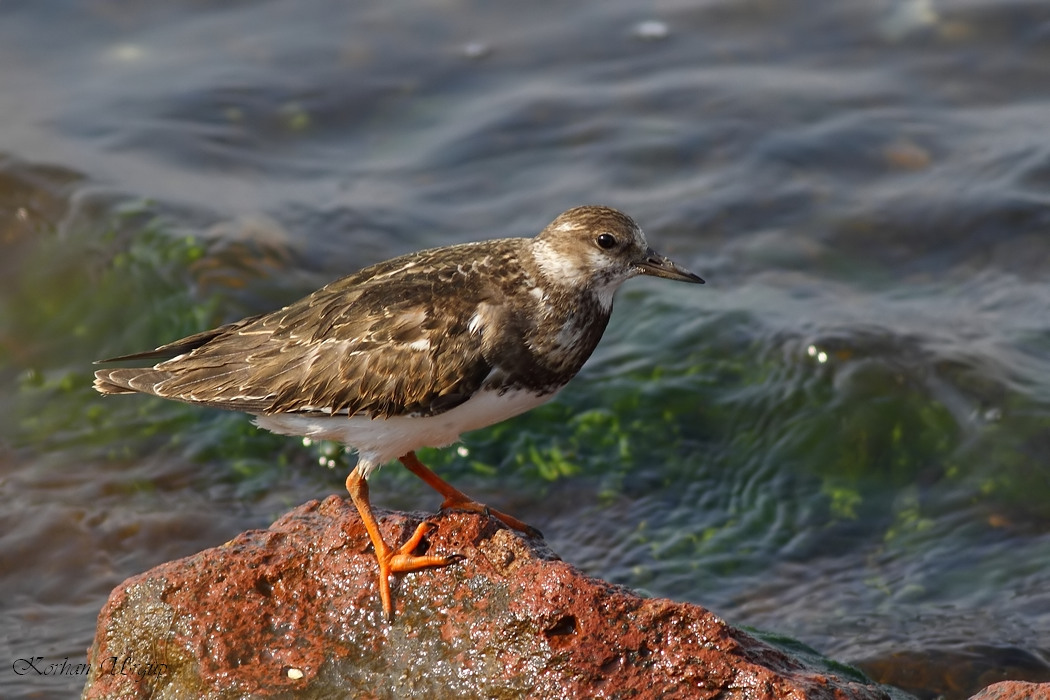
[415,351]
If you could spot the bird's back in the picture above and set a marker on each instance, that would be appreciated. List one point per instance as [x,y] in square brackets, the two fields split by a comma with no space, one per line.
[417,334]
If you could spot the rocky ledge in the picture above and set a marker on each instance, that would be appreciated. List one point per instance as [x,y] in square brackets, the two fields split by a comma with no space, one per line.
[292,611]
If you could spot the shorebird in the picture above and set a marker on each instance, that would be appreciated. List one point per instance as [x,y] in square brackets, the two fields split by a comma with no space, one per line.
[413,352]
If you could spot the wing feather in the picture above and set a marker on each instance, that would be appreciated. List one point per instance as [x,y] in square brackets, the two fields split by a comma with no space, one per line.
[374,343]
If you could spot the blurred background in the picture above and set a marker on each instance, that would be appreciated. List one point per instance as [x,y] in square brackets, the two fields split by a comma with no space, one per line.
[843,438]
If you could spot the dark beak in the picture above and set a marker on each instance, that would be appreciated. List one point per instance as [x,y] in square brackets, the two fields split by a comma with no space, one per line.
[659,266]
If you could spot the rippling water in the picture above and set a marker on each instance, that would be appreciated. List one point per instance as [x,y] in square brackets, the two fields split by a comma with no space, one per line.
[843,438]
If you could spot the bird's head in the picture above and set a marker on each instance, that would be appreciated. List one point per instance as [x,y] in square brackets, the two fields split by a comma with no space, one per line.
[599,248]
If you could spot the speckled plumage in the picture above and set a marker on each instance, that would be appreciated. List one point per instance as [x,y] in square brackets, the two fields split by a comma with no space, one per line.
[416,335]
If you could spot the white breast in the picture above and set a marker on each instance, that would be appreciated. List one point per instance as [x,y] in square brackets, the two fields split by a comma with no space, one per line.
[380,440]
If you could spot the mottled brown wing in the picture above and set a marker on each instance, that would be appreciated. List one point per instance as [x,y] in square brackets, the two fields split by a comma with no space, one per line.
[390,340]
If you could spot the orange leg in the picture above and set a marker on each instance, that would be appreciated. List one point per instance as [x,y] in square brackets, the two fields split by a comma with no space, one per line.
[454,498]
[391,561]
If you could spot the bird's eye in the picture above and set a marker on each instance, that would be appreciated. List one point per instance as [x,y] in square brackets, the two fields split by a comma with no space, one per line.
[605,241]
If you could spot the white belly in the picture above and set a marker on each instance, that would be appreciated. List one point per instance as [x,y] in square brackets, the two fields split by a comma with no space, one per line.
[379,440]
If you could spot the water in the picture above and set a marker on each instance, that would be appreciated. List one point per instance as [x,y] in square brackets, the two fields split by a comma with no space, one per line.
[843,438]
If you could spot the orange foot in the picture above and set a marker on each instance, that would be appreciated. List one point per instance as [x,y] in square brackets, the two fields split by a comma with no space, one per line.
[392,561]
[402,561]
[456,499]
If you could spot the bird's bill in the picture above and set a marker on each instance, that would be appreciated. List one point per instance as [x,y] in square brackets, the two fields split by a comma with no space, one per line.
[658,265]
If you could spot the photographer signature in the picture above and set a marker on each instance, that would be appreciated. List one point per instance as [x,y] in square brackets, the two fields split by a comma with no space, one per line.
[125,665]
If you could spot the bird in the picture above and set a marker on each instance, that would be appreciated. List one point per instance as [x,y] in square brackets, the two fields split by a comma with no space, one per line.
[413,352]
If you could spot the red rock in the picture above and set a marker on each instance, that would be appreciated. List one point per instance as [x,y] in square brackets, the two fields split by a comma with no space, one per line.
[1014,690]
[293,611]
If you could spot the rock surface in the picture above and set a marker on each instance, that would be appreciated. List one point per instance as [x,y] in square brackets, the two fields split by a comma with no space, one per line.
[293,611]
[1014,690]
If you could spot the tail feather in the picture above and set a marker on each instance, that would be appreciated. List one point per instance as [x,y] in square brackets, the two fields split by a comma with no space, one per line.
[129,380]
